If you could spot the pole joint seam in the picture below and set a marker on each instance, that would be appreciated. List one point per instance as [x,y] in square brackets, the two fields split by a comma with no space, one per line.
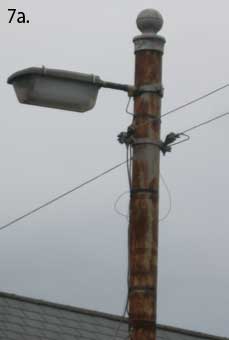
[134,191]
[147,115]
[141,323]
[141,288]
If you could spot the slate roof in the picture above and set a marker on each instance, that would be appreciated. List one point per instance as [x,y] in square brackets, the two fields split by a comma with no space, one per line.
[24,318]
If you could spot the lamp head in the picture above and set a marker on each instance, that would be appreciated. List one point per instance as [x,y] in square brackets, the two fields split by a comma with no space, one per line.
[56,88]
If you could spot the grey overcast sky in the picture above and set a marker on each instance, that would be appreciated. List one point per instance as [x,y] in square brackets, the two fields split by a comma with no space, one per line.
[74,252]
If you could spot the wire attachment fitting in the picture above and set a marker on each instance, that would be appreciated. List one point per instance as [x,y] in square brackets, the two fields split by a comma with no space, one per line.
[126,137]
[169,139]
[166,146]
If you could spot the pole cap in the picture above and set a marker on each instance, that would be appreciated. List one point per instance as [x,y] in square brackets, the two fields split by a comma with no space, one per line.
[149,21]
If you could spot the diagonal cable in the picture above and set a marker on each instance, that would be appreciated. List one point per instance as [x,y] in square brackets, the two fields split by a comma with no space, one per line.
[197,126]
[206,122]
[66,193]
[195,100]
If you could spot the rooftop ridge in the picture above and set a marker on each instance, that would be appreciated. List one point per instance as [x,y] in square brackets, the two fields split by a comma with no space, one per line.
[108,316]
[61,306]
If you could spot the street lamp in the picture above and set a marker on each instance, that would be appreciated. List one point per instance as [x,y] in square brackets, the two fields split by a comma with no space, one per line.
[60,89]
[78,92]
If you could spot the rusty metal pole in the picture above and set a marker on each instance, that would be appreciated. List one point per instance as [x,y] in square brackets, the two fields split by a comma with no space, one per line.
[143,244]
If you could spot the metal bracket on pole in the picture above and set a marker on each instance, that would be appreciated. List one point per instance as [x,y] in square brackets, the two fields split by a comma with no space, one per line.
[128,139]
[151,88]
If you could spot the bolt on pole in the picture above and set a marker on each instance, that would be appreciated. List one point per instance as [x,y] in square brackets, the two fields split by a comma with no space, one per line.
[143,242]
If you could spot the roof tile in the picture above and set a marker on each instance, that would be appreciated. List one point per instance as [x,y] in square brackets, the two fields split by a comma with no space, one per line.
[29,319]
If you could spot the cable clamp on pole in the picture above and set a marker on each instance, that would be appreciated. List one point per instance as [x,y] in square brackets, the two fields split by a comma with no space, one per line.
[150,88]
[146,141]
[134,191]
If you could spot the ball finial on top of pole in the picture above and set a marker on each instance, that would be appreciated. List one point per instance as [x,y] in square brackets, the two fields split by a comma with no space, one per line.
[149,21]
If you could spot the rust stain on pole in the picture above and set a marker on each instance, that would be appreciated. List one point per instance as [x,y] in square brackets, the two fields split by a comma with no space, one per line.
[145,181]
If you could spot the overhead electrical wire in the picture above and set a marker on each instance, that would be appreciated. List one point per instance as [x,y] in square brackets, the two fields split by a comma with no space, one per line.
[162,178]
[115,336]
[195,100]
[129,164]
[129,175]
[98,176]
[116,204]
[128,192]
[205,122]
[191,102]
[66,193]
[169,196]
[129,179]
[197,126]
[120,164]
